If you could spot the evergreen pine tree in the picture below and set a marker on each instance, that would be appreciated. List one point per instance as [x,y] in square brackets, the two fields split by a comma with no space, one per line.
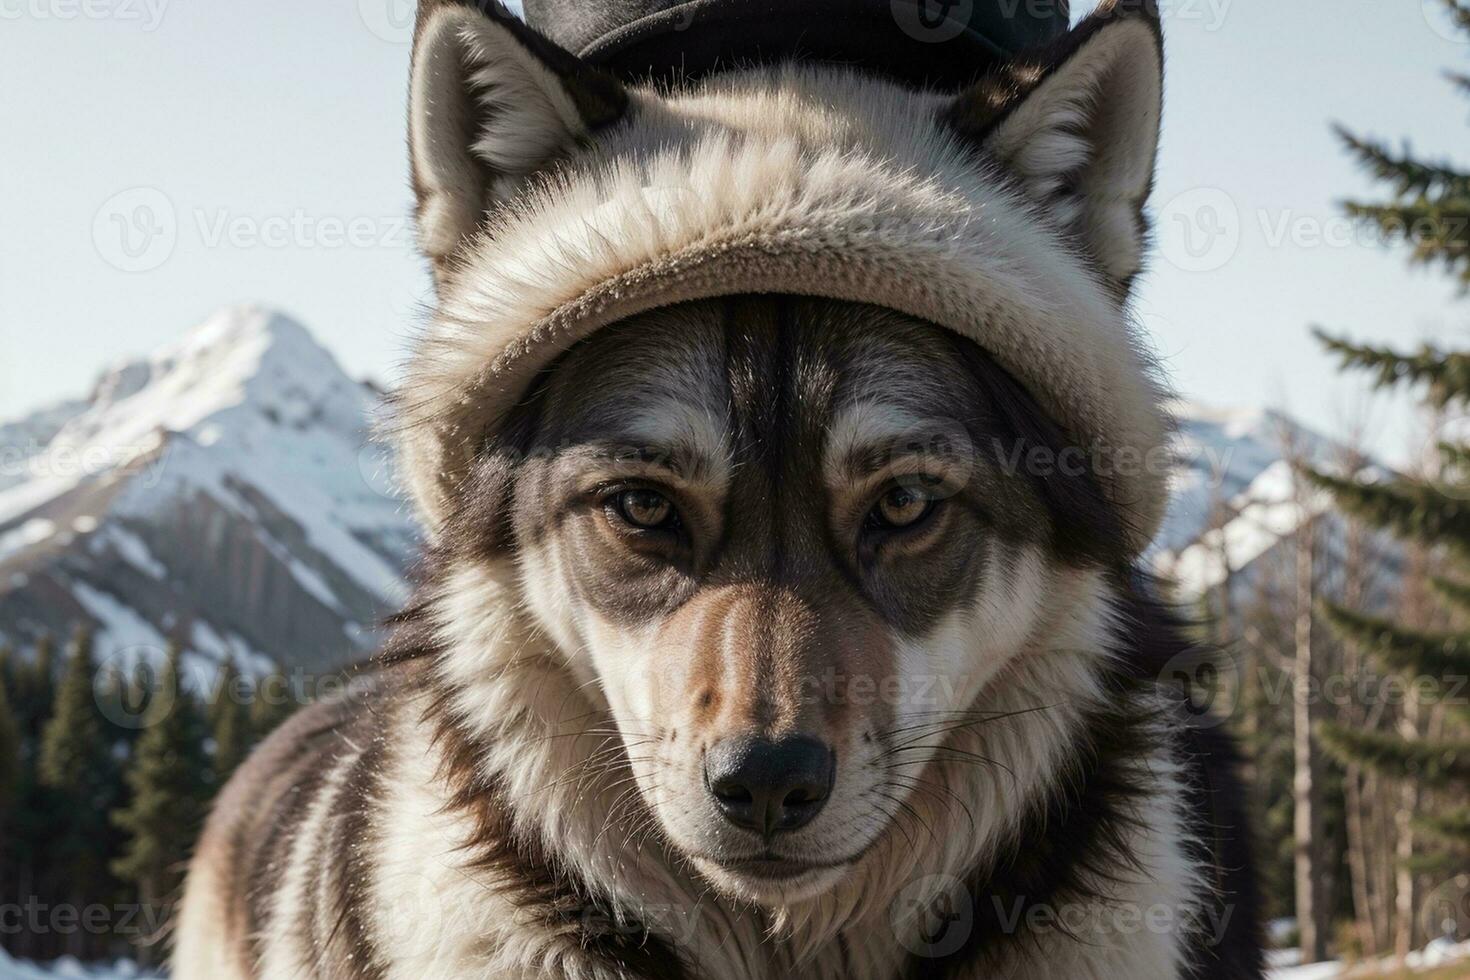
[35,688]
[1428,206]
[10,767]
[72,739]
[229,722]
[12,748]
[78,771]
[168,780]
[26,823]
[46,662]
[10,790]
[1424,749]
[1432,515]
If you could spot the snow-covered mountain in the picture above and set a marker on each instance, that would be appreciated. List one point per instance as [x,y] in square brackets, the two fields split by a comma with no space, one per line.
[1221,452]
[223,491]
[1235,495]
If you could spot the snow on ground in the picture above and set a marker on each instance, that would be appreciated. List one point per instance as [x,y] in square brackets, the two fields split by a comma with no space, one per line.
[1312,971]
[69,969]
[1438,953]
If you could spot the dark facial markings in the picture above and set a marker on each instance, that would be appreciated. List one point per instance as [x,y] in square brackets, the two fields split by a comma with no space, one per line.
[827,448]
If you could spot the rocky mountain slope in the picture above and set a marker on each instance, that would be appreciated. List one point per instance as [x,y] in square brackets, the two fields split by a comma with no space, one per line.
[222,491]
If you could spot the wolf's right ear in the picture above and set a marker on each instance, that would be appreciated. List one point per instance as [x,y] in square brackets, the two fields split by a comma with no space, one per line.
[1077,125]
[491,102]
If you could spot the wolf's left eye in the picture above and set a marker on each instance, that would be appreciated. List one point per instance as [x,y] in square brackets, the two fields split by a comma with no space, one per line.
[647,509]
[900,507]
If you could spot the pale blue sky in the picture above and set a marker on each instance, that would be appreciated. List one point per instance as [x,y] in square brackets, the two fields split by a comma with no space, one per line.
[272,129]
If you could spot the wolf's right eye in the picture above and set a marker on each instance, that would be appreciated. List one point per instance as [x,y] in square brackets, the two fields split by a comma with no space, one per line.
[647,509]
[899,509]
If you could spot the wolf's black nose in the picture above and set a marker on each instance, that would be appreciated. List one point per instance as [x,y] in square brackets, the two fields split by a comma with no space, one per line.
[767,786]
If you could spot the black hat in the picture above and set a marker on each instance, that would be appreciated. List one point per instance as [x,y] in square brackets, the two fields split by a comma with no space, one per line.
[929,42]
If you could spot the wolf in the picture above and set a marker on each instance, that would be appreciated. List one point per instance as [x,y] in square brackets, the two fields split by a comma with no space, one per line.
[786,452]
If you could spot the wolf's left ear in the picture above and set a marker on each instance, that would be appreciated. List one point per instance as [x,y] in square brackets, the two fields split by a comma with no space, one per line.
[1077,124]
[491,103]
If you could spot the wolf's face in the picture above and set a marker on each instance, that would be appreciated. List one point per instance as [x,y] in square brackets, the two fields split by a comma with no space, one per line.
[787,540]
[783,541]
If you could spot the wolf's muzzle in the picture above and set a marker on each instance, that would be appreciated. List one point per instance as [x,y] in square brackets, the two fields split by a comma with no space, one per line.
[770,786]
